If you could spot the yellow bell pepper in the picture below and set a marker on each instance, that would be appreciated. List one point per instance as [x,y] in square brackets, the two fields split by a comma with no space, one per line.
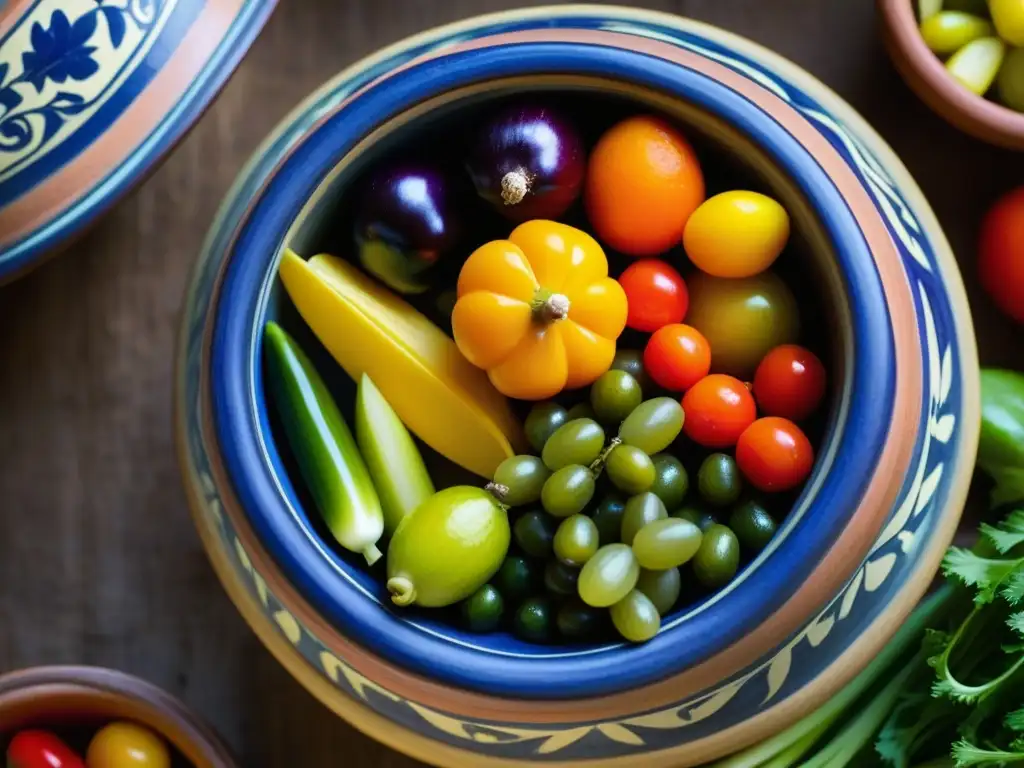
[538,311]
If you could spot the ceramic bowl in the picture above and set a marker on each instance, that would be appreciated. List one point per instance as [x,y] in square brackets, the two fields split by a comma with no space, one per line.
[68,697]
[92,94]
[925,74]
[862,542]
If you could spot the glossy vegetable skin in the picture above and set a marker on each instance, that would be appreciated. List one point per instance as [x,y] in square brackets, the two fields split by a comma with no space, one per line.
[774,454]
[635,617]
[392,458]
[976,65]
[1008,16]
[948,31]
[326,452]
[367,329]
[736,234]
[718,408]
[656,294]
[538,311]
[528,162]
[653,425]
[127,745]
[1001,253]
[408,220]
[677,357]
[40,749]
[1001,446]
[481,611]
[789,382]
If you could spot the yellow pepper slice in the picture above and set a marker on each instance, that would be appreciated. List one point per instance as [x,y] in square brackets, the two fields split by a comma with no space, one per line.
[538,311]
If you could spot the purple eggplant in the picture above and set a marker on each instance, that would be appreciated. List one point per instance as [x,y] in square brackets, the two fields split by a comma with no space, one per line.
[528,162]
[406,224]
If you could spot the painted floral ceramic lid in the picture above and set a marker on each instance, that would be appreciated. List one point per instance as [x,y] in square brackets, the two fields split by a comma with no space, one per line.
[92,94]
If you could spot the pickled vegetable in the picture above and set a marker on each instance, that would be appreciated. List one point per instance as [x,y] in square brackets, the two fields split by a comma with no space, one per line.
[666,543]
[718,558]
[614,396]
[541,423]
[697,515]
[608,576]
[1010,82]
[632,362]
[579,441]
[608,519]
[949,31]
[630,469]
[635,617]
[753,525]
[581,411]
[568,490]
[976,65]
[653,425]
[1008,16]
[718,480]
[534,620]
[576,540]
[671,482]
[560,579]
[521,479]
[642,509]
[661,587]
[481,611]
[517,579]
[534,532]
[578,621]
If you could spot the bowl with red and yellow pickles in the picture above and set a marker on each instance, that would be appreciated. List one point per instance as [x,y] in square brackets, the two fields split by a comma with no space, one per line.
[581,384]
[89,717]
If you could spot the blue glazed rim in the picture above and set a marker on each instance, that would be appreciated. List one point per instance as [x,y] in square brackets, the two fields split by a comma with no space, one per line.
[24,253]
[241,423]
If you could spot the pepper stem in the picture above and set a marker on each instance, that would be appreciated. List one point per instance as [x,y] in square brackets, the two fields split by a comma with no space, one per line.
[550,307]
[402,591]
[372,554]
[515,185]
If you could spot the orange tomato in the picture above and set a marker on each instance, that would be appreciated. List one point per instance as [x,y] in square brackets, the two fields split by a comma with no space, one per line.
[789,382]
[774,454]
[677,357]
[643,182]
[717,409]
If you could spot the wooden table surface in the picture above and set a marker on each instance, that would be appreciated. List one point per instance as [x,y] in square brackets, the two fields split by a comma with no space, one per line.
[99,562]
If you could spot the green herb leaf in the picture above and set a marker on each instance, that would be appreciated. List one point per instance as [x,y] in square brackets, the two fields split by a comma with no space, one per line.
[1013,589]
[1015,621]
[975,571]
[1015,720]
[1009,484]
[966,754]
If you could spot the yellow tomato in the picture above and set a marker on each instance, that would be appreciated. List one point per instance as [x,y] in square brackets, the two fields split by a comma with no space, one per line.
[736,234]
[742,319]
[1008,16]
[126,745]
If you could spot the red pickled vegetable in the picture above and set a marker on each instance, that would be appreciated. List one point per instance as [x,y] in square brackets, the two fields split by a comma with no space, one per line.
[40,749]
[528,162]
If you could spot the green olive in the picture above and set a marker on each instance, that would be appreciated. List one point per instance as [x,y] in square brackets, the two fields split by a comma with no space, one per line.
[696,514]
[671,482]
[517,579]
[630,469]
[535,533]
[482,610]
[614,396]
[579,441]
[718,558]
[661,587]
[608,519]
[666,543]
[632,362]
[581,411]
[578,621]
[521,478]
[576,540]
[635,617]
[653,425]
[640,510]
[560,579]
[753,525]
[541,423]
[608,576]
[568,490]
[718,480]
[534,620]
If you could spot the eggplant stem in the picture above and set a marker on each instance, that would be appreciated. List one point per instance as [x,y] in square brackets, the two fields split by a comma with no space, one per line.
[515,186]
[402,591]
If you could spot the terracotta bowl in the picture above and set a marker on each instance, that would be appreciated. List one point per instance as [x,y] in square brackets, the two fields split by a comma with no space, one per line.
[926,75]
[58,697]
[92,96]
[863,540]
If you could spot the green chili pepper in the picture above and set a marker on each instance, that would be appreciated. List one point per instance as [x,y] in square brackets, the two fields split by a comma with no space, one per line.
[1001,448]
[326,451]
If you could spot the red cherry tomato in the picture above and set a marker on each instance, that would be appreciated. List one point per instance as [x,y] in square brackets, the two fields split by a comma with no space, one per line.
[40,749]
[656,294]
[774,454]
[718,408]
[677,357]
[1001,254]
[789,382]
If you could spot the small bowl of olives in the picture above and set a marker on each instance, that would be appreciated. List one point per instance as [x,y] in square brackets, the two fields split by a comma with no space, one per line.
[75,716]
[965,60]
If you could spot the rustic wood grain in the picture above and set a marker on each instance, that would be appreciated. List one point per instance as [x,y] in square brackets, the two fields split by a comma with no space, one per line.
[99,562]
